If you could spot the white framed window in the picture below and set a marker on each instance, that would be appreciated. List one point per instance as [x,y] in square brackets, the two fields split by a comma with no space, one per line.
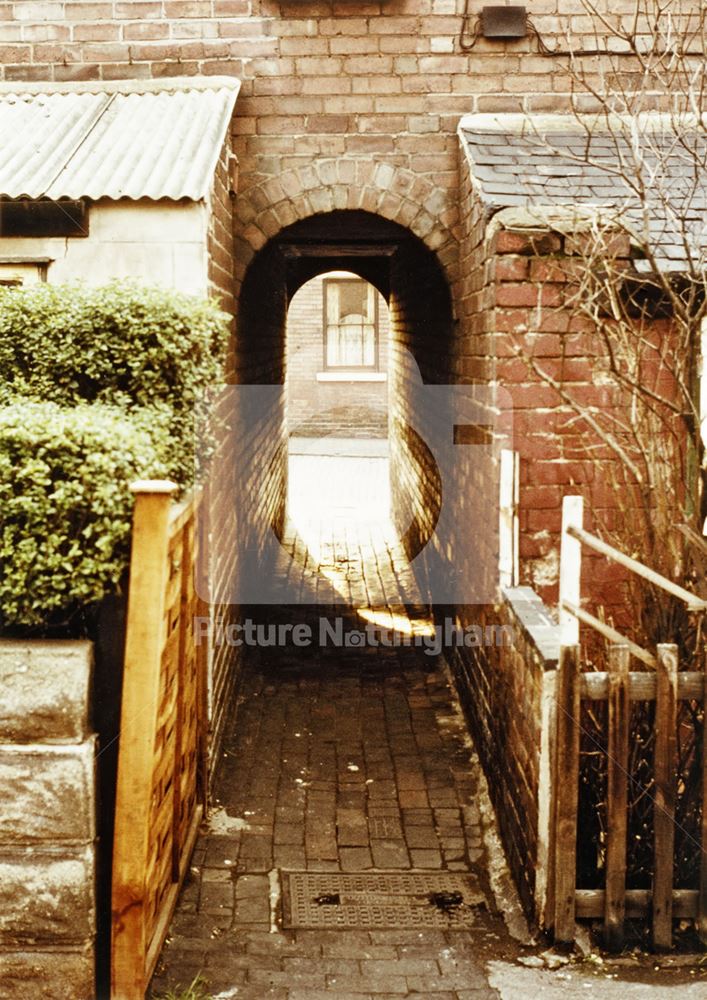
[14,273]
[350,325]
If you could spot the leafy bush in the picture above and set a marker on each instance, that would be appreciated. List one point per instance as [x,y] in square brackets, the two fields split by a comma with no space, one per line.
[65,505]
[121,344]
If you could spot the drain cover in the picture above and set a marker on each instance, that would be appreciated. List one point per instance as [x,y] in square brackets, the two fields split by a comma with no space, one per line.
[377,900]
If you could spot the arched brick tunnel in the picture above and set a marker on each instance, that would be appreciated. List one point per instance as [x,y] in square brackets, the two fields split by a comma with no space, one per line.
[250,498]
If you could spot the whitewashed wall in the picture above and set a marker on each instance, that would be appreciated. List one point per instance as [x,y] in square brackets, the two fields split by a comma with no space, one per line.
[160,243]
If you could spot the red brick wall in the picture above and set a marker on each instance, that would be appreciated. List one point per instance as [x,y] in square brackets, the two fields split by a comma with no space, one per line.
[260,360]
[246,490]
[559,454]
[343,409]
[220,236]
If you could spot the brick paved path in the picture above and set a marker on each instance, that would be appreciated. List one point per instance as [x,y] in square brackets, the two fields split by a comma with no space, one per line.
[342,761]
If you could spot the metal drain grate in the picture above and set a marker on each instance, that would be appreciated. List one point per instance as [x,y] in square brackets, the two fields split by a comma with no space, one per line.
[379,900]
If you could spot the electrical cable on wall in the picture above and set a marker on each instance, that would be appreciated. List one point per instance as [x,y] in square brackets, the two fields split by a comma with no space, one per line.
[473,30]
[470,33]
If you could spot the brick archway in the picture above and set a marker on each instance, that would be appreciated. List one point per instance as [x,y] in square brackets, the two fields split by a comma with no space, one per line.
[420,351]
[384,189]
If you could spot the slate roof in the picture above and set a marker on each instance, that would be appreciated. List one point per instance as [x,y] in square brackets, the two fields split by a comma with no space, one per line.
[639,168]
[118,139]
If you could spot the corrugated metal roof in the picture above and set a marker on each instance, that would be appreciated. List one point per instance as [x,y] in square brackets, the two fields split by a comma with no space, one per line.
[561,161]
[126,139]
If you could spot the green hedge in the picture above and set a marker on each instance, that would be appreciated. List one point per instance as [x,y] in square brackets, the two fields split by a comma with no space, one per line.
[65,502]
[121,344]
[98,387]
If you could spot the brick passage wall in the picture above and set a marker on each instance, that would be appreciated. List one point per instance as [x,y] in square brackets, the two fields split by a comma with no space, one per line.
[224,668]
[341,409]
[420,347]
[248,485]
[507,691]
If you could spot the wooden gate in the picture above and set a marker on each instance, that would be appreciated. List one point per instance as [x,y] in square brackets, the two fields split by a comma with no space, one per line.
[662,683]
[160,788]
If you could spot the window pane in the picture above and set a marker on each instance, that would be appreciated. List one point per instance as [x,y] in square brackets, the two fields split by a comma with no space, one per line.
[353,299]
[350,324]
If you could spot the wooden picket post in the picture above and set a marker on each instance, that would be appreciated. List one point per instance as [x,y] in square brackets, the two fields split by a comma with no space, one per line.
[570,569]
[565,783]
[618,713]
[664,794]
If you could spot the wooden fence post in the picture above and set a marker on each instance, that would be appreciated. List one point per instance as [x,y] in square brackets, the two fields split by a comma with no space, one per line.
[143,650]
[664,795]
[618,711]
[702,898]
[570,569]
[565,783]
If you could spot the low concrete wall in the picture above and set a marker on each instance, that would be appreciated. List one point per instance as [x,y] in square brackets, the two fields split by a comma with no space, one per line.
[508,695]
[47,822]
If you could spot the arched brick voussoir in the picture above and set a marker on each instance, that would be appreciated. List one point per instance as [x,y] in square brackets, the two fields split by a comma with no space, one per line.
[393,192]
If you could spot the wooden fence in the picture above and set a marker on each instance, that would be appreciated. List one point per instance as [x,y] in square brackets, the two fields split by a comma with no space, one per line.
[160,785]
[663,683]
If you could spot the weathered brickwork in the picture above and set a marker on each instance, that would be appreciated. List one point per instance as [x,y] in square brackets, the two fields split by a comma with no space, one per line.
[368,83]
[518,317]
[317,408]
[533,324]
[257,454]
[507,692]
[220,236]
[421,345]
[225,663]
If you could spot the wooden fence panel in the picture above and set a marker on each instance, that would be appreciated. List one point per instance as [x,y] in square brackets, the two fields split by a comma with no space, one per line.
[159,802]
[665,685]
[663,903]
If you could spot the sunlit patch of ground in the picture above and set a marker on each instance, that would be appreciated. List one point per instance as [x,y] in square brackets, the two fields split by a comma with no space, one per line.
[340,529]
